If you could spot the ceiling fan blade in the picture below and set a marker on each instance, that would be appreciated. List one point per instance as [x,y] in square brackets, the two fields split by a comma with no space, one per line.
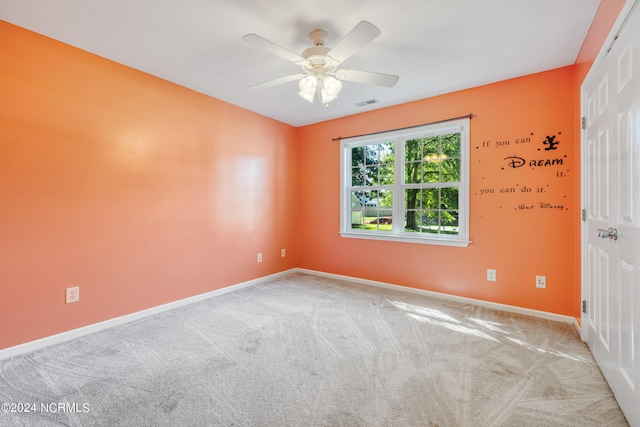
[379,79]
[265,44]
[278,81]
[362,34]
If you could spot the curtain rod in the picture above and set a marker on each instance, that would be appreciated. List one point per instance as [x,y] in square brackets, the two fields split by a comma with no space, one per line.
[468,116]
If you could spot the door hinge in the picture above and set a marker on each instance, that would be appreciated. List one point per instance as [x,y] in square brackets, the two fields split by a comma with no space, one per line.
[584,214]
[584,306]
[584,123]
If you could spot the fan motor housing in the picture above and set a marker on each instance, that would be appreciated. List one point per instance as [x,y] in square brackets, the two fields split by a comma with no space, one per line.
[316,56]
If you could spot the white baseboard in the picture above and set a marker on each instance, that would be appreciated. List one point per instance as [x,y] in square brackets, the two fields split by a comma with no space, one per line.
[96,327]
[487,304]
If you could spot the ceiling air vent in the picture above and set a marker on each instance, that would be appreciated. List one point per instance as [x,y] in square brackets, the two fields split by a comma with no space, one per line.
[368,102]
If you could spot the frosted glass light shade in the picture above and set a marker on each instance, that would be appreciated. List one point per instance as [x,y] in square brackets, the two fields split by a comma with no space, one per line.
[308,87]
[330,89]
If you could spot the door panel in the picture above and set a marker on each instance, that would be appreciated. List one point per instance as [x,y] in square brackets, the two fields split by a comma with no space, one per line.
[592,313]
[603,175]
[627,185]
[603,301]
[626,322]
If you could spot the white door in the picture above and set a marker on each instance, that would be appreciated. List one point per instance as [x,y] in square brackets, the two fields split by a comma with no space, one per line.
[611,233]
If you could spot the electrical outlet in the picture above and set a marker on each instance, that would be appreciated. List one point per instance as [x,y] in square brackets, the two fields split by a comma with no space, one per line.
[491,275]
[72,294]
[259,256]
[541,282]
[283,253]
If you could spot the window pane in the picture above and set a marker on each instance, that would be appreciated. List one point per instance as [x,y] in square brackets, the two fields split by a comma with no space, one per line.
[355,199]
[369,198]
[387,158]
[449,222]
[430,199]
[451,145]
[412,199]
[431,146]
[412,150]
[451,170]
[387,152]
[412,172]
[430,222]
[374,198]
[357,176]
[357,156]
[372,175]
[385,198]
[412,223]
[372,154]
[449,198]
[357,217]
[387,174]
[431,171]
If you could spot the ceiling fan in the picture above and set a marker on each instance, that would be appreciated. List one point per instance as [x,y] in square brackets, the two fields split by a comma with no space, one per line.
[320,63]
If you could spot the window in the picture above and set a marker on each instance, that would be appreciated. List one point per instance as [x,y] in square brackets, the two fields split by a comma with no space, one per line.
[408,185]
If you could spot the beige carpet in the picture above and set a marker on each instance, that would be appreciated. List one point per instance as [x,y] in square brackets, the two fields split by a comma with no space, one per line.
[310,351]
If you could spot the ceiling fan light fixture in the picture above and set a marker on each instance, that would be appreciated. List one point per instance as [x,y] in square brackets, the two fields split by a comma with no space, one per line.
[308,87]
[330,89]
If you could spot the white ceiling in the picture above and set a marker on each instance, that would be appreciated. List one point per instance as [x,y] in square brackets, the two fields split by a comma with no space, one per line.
[435,46]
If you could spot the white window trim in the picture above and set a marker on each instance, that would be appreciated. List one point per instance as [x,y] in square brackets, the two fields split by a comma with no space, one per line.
[398,137]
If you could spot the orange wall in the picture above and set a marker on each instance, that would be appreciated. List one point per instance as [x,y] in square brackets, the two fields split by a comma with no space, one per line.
[137,190]
[519,243]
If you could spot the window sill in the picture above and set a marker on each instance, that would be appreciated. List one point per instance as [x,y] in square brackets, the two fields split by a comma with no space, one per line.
[441,241]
